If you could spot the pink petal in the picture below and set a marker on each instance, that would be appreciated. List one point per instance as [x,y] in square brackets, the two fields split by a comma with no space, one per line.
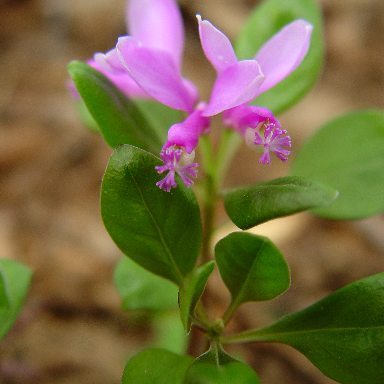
[120,79]
[246,116]
[216,46]
[284,52]
[187,133]
[157,24]
[156,73]
[109,61]
[238,84]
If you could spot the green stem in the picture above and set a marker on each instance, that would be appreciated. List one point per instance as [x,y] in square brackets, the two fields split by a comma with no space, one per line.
[210,195]
[201,315]
[230,311]
[215,166]
[229,142]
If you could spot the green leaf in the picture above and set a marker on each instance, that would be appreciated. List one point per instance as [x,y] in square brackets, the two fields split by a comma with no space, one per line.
[191,291]
[216,367]
[342,334]
[4,300]
[16,279]
[86,116]
[169,332]
[252,268]
[119,119]
[156,366]
[348,154]
[140,289]
[250,206]
[266,20]
[158,230]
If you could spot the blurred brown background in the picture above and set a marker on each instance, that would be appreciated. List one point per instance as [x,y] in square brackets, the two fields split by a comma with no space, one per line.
[72,329]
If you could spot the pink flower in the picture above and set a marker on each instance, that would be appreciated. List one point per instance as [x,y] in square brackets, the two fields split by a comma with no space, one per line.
[239,82]
[147,63]
[178,152]
[152,53]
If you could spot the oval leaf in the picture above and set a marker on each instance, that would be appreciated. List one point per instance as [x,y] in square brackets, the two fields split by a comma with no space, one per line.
[216,367]
[342,334]
[252,267]
[191,291]
[269,18]
[250,206]
[148,224]
[348,154]
[140,289]
[16,279]
[119,119]
[156,366]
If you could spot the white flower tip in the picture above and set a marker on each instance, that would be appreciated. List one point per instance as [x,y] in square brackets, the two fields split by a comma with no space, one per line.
[305,24]
[201,21]
[101,60]
[98,56]
[123,39]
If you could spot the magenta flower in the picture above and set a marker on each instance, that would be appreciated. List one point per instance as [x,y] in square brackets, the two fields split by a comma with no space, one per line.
[152,53]
[261,130]
[276,59]
[154,47]
[178,152]
[147,63]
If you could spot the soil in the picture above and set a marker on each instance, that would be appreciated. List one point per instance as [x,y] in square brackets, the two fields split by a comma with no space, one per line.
[72,328]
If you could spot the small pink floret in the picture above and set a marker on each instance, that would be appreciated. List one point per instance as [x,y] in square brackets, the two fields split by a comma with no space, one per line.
[273,139]
[173,164]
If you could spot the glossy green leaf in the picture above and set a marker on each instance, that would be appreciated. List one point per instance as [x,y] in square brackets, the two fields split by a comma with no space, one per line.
[216,367]
[191,291]
[266,20]
[160,231]
[250,206]
[342,334]
[156,366]
[16,280]
[252,267]
[119,119]
[348,154]
[169,332]
[140,289]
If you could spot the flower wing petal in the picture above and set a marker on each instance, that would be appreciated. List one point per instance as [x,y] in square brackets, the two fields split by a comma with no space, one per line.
[284,52]
[120,79]
[157,24]
[156,73]
[216,46]
[236,85]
